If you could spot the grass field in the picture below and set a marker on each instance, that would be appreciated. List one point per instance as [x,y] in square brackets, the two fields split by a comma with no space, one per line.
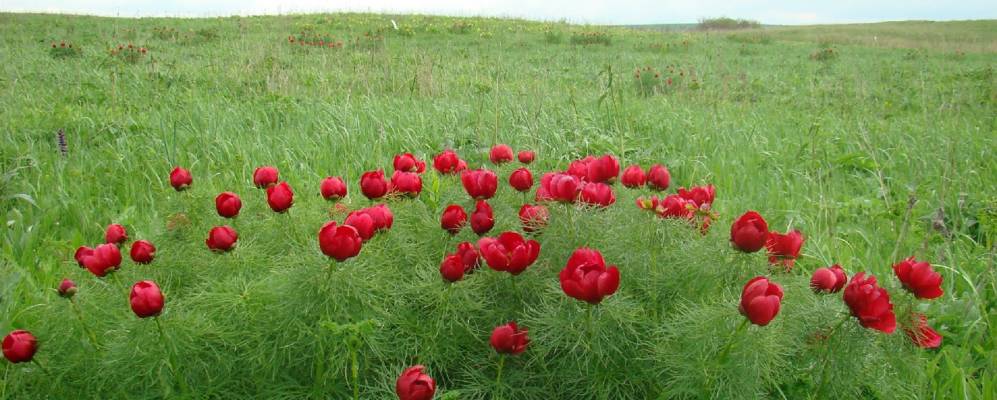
[875,151]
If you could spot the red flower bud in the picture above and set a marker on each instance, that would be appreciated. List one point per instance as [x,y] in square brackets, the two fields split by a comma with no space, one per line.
[521,179]
[634,177]
[180,178]
[373,185]
[500,154]
[526,156]
[482,219]
[228,204]
[509,339]
[333,188]
[146,299]
[480,183]
[414,384]
[760,300]
[264,177]
[339,242]
[658,177]
[280,197]
[559,187]
[408,183]
[597,194]
[453,219]
[408,163]
[828,280]
[67,288]
[103,259]
[221,238]
[115,234]
[448,162]
[143,252]
[919,278]
[533,217]
[19,346]
[749,232]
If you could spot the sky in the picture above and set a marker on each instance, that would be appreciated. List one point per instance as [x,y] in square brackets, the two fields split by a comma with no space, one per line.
[788,12]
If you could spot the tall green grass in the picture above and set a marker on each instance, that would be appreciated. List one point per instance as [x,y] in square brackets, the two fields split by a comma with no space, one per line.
[875,155]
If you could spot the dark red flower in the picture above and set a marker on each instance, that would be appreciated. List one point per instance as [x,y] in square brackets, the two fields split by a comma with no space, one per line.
[115,234]
[482,219]
[580,168]
[143,252]
[19,346]
[228,204]
[699,195]
[526,156]
[521,179]
[760,300]
[264,177]
[408,183]
[67,288]
[414,384]
[480,183]
[559,187]
[103,259]
[533,217]
[448,162]
[604,169]
[674,206]
[221,238]
[453,219]
[180,178]
[373,185]
[146,299]
[339,242]
[870,303]
[634,177]
[749,232]
[408,163]
[280,197]
[509,252]
[469,255]
[81,253]
[921,334]
[784,249]
[587,278]
[597,194]
[500,154]
[919,278]
[509,339]
[452,268]
[828,280]
[658,177]
[332,188]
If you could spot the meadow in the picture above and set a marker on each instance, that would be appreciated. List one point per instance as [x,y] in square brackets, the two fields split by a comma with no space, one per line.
[875,151]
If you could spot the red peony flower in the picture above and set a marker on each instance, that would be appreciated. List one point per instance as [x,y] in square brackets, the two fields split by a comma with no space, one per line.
[587,278]
[634,177]
[533,217]
[480,183]
[332,188]
[408,163]
[373,185]
[221,238]
[453,219]
[180,178]
[414,384]
[784,249]
[509,252]
[760,300]
[521,179]
[919,278]
[228,204]
[408,183]
[500,154]
[339,242]
[509,339]
[115,234]
[280,197]
[828,280]
[658,177]
[749,232]
[870,303]
[264,177]
[482,219]
[146,299]
[143,252]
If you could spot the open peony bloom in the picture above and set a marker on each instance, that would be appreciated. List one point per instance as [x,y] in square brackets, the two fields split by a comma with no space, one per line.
[699,195]
[587,278]
[597,194]
[921,334]
[784,249]
[828,280]
[509,339]
[634,177]
[146,299]
[603,169]
[19,346]
[102,259]
[414,384]
[264,177]
[373,185]
[870,303]
[559,187]
[509,252]
[280,197]
[408,183]
[406,162]
[480,184]
[749,232]
[448,162]
[339,242]
[919,278]
[180,179]
[533,217]
[760,300]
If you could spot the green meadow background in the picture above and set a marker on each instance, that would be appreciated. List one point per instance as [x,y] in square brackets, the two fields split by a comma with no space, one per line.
[877,141]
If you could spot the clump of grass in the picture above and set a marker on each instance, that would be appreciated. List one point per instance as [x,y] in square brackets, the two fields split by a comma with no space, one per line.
[461,27]
[553,35]
[129,53]
[64,50]
[315,40]
[647,80]
[752,37]
[725,23]
[590,37]
[825,54]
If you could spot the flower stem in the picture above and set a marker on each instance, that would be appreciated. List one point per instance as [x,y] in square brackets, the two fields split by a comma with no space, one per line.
[827,352]
[730,341]
[79,315]
[498,376]
[171,360]
[40,366]
[356,373]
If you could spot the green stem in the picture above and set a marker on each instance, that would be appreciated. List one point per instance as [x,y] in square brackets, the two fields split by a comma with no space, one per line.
[3,389]
[498,376]
[356,373]
[827,352]
[730,341]
[79,315]
[171,358]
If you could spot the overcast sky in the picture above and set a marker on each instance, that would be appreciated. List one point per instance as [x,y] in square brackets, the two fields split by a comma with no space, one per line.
[580,11]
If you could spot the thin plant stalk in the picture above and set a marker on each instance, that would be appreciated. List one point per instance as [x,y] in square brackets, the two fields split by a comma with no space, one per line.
[79,315]
[730,341]
[170,357]
[498,375]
